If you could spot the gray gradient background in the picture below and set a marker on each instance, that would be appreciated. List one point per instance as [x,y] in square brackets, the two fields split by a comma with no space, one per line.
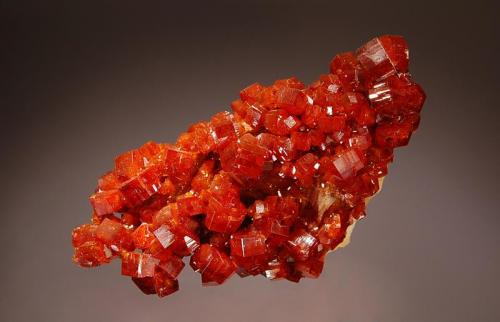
[83,82]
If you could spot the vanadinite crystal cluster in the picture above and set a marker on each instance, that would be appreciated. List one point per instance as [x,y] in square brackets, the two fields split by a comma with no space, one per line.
[267,189]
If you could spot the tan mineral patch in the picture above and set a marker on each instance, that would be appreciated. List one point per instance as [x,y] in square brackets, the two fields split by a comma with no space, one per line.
[350,229]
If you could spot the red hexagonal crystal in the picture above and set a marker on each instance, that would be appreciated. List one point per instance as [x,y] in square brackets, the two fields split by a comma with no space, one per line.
[280,122]
[348,69]
[83,234]
[213,265]
[267,190]
[247,244]
[91,253]
[225,211]
[164,284]
[397,95]
[172,266]
[138,265]
[107,202]
[302,245]
[113,234]
[245,158]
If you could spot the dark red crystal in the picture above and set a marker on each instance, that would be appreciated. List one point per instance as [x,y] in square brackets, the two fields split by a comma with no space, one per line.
[269,189]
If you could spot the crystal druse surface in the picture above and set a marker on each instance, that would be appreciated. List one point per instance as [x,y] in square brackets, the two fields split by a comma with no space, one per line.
[267,189]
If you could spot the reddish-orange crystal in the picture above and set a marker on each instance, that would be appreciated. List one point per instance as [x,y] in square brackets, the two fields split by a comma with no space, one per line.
[268,189]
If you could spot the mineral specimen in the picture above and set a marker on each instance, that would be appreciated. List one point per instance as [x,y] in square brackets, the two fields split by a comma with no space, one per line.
[269,189]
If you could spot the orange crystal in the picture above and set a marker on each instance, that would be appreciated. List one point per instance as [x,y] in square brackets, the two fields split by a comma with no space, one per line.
[269,189]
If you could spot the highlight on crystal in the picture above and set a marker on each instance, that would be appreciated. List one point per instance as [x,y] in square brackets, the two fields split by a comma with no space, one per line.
[267,189]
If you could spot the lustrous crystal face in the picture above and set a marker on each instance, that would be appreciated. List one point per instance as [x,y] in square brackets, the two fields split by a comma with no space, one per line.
[268,189]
